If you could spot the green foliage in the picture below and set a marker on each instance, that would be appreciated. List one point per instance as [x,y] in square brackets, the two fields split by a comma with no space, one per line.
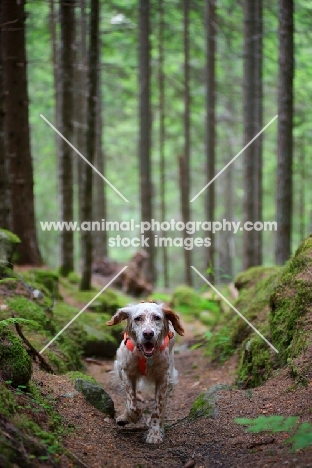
[273,423]
[302,435]
[20,321]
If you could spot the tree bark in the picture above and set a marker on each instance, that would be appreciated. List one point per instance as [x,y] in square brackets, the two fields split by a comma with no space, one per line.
[86,236]
[162,136]
[67,20]
[258,143]
[4,169]
[284,131]
[16,122]
[252,125]
[210,18]
[145,124]
[100,206]
[185,158]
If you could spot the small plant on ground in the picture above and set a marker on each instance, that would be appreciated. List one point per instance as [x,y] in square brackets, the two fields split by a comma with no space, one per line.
[301,435]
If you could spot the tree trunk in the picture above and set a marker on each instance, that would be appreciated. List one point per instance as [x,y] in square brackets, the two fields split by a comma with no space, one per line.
[100,207]
[81,104]
[4,169]
[16,121]
[252,125]
[258,143]
[67,20]
[162,169]
[90,146]
[284,131]
[185,158]
[210,19]
[53,20]
[145,130]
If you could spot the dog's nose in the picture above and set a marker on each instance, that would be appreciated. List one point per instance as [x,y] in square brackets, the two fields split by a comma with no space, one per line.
[148,334]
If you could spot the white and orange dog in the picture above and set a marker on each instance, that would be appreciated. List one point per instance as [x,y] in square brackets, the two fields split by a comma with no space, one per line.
[146,354]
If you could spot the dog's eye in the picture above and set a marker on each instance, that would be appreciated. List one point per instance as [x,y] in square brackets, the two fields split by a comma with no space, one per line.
[157,318]
[138,319]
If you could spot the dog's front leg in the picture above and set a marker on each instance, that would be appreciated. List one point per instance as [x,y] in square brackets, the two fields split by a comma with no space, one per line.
[155,433]
[132,413]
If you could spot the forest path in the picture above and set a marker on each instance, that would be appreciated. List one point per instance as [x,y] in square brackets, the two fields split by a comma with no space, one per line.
[207,442]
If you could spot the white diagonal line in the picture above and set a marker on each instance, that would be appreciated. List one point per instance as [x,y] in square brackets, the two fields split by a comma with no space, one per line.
[235,310]
[232,160]
[82,310]
[85,159]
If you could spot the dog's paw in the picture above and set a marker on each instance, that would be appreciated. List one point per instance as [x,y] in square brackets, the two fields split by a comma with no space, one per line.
[122,421]
[154,436]
[129,417]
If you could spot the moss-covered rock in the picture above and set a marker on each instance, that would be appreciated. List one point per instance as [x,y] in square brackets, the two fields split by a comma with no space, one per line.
[254,304]
[65,353]
[205,403]
[291,305]
[8,245]
[96,396]
[15,363]
[250,277]
[284,319]
[44,280]
[192,304]
[99,339]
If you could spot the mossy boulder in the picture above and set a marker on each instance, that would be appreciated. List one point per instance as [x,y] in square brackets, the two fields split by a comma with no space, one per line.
[192,304]
[283,314]
[46,281]
[15,363]
[96,396]
[291,305]
[205,403]
[65,353]
[234,332]
[250,277]
[8,245]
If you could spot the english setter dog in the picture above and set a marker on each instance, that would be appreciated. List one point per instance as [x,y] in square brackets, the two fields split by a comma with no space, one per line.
[146,354]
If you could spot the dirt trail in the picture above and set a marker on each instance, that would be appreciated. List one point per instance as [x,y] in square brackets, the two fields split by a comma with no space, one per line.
[98,442]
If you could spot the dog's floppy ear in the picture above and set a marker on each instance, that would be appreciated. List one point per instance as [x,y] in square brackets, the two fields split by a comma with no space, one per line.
[121,314]
[174,319]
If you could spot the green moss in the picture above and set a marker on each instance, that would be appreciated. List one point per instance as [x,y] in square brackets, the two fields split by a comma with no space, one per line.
[44,278]
[15,363]
[22,307]
[190,303]
[291,301]
[205,403]
[256,362]
[253,304]
[65,353]
[251,276]
[73,277]
[7,401]
[9,283]
[200,408]
[74,375]
[9,236]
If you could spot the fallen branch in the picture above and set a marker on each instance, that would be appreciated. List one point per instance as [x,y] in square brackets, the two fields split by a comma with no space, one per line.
[44,364]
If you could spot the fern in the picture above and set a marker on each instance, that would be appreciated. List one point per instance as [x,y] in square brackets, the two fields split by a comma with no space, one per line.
[21,321]
[301,438]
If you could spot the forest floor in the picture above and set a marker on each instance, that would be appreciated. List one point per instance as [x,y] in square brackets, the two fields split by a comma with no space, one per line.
[206,442]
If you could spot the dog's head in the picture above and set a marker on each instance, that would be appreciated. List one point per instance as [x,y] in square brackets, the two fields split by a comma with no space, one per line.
[147,324]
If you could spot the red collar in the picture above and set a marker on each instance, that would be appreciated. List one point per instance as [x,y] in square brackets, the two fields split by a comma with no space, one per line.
[142,360]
